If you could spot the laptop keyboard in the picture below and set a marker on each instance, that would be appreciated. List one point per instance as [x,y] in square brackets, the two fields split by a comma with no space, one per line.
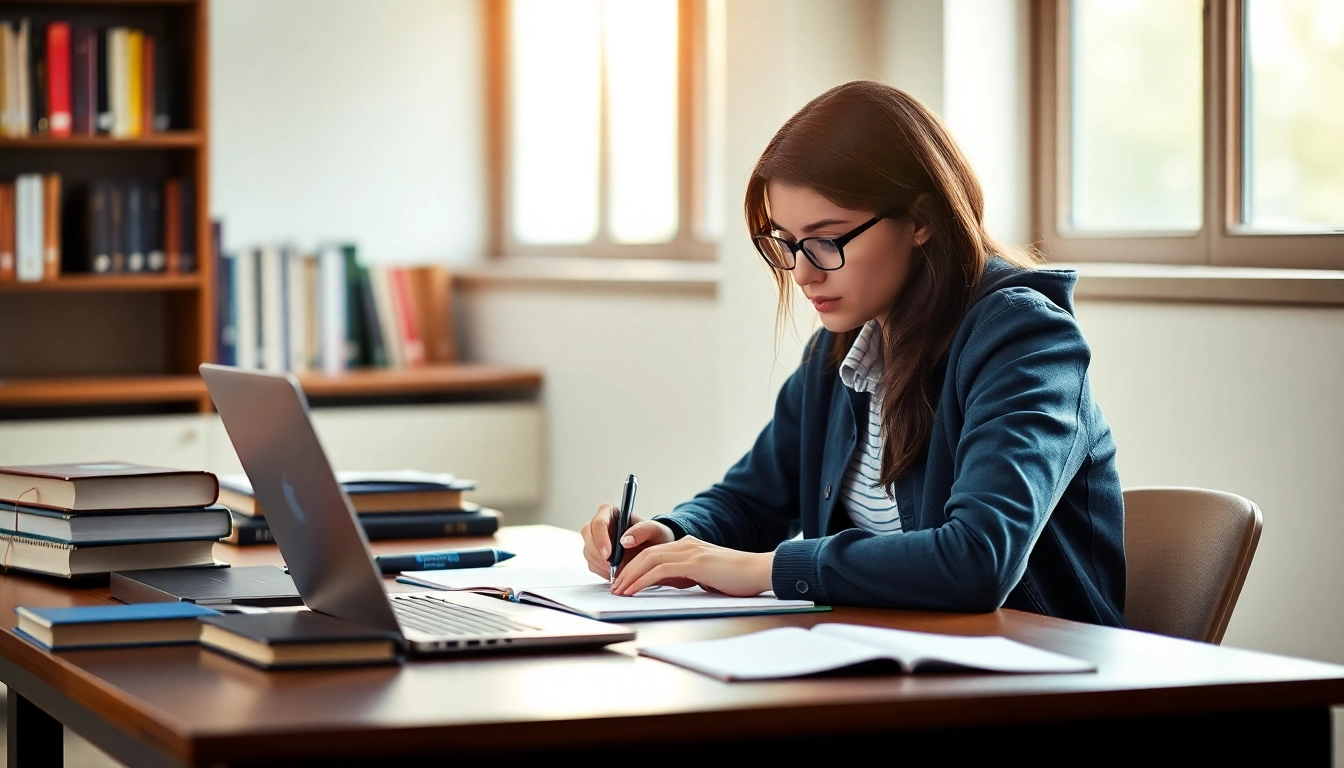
[439,618]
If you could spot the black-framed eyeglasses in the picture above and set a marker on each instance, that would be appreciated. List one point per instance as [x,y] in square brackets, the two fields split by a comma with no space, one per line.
[825,253]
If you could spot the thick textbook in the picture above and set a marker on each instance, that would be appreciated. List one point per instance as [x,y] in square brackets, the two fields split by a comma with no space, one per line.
[296,639]
[395,491]
[101,626]
[580,591]
[59,558]
[107,485]
[115,526]
[828,648]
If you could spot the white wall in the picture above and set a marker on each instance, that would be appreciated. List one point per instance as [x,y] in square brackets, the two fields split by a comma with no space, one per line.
[349,119]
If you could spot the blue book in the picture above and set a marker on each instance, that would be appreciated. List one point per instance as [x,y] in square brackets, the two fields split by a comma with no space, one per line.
[107,626]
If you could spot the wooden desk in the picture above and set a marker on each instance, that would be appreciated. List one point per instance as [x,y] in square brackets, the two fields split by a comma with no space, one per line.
[1153,698]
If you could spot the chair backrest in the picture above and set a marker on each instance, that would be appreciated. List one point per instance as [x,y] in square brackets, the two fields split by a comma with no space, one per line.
[1187,551]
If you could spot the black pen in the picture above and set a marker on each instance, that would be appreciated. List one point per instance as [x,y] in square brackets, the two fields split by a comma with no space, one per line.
[622,523]
[436,561]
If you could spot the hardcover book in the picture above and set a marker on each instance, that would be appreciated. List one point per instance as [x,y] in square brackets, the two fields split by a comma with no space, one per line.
[297,639]
[115,526]
[107,485]
[66,560]
[104,626]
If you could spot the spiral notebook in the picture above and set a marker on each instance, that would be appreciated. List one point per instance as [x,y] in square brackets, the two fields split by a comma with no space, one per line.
[577,590]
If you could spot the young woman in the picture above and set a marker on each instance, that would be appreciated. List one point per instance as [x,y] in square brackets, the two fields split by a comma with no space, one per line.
[938,447]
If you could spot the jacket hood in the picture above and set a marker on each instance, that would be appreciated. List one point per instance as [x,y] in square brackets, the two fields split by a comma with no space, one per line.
[1055,284]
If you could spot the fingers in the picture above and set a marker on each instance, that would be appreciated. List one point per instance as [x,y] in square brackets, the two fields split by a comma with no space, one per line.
[647,532]
[659,574]
[596,535]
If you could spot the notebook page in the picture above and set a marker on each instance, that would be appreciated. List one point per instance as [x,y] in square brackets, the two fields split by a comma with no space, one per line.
[597,601]
[499,579]
[992,654]
[773,653]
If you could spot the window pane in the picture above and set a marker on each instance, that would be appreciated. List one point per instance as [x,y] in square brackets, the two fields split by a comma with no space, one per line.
[1294,117]
[641,68]
[556,86]
[1137,115]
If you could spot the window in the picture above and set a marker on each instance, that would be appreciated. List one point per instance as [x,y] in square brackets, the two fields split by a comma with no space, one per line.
[1190,131]
[595,111]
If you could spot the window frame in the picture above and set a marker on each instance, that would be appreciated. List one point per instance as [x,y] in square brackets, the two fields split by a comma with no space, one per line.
[691,139]
[1221,240]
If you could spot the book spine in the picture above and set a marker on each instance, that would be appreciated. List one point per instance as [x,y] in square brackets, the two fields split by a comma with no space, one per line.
[83,73]
[98,223]
[103,119]
[28,228]
[147,85]
[162,112]
[245,304]
[51,226]
[354,310]
[413,349]
[117,81]
[135,41]
[476,524]
[187,226]
[254,531]
[134,228]
[58,79]
[273,309]
[172,226]
[155,259]
[35,102]
[116,225]
[224,308]
[297,313]
[332,315]
[375,352]
[386,315]
[7,271]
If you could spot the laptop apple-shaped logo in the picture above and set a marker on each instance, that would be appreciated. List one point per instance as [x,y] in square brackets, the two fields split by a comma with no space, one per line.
[289,497]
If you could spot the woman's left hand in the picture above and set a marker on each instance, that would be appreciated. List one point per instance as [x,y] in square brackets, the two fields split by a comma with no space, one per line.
[690,561]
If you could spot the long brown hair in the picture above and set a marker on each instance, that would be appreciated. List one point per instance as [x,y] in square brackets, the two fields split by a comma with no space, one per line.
[869,147]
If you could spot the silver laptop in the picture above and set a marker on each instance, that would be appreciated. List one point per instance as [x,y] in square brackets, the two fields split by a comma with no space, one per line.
[314,524]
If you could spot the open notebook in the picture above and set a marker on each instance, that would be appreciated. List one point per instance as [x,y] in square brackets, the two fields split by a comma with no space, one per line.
[798,652]
[579,591]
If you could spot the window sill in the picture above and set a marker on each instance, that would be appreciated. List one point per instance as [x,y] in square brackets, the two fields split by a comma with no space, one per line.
[1226,285]
[646,274]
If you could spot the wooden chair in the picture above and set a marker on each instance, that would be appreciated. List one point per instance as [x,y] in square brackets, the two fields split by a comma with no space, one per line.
[1187,551]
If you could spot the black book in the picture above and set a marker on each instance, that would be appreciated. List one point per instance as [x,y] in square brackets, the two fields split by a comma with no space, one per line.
[384,525]
[297,639]
[83,79]
[151,232]
[187,209]
[163,113]
[99,227]
[374,348]
[116,225]
[102,98]
[134,224]
[37,78]
[261,585]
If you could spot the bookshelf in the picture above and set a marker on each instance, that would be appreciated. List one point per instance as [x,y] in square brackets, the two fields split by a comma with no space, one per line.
[130,343]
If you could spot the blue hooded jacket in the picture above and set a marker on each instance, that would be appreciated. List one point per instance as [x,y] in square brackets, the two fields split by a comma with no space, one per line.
[1015,503]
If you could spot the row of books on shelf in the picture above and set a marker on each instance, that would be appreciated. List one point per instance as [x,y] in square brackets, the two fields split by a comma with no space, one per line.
[61,79]
[74,520]
[104,226]
[279,309]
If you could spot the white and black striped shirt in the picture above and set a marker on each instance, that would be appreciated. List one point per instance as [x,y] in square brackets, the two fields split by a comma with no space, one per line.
[870,508]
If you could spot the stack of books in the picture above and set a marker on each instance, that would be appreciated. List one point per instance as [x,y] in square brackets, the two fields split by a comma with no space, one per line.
[401,504]
[280,309]
[72,520]
[60,80]
[30,228]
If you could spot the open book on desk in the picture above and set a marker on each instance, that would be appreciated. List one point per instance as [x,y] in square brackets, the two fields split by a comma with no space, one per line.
[797,652]
[578,590]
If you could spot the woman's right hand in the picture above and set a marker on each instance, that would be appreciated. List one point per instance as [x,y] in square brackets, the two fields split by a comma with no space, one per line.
[597,538]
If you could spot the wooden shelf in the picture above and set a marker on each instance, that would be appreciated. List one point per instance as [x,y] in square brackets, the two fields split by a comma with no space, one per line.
[90,283]
[166,140]
[100,390]
[441,379]
[109,390]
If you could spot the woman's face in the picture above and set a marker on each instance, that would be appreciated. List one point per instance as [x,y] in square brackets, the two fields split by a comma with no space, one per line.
[877,262]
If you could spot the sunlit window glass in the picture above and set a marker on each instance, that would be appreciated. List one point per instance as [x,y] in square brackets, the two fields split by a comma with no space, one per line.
[1137,115]
[641,66]
[1294,115]
[556,81]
